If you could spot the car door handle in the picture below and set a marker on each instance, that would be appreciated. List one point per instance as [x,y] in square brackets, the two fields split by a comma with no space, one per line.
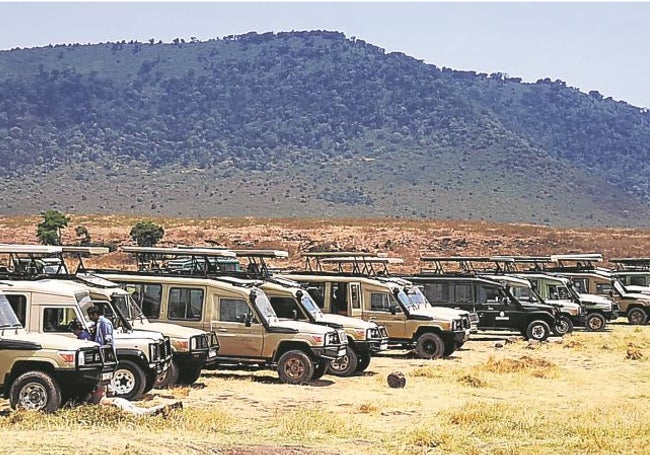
[372,319]
[223,330]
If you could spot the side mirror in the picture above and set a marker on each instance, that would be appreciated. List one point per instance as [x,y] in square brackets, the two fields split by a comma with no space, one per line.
[295,314]
[248,319]
[393,309]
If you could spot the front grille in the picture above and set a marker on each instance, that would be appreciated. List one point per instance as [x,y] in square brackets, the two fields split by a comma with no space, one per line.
[466,323]
[214,341]
[384,332]
[199,342]
[167,348]
[94,357]
[374,333]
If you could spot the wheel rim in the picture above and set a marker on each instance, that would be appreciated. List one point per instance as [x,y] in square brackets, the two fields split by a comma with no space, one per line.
[595,323]
[33,396]
[636,317]
[538,332]
[562,327]
[162,377]
[430,347]
[123,382]
[341,364]
[294,369]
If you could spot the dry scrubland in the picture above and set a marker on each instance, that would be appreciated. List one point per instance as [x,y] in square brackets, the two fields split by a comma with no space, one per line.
[583,394]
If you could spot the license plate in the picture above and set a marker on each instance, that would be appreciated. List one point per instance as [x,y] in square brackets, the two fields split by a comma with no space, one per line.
[342,352]
[107,376]
[212,353]
[383,346]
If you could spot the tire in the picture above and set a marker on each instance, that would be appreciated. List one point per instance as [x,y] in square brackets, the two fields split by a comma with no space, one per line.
[189,375]
[169,377]
[538,330]
[429,346]
[320,370]
[295,367]
[563,326]
[35,391]
[450,347]
[636,316]
[129,381]
[595,322]
[346,365]
[363,363]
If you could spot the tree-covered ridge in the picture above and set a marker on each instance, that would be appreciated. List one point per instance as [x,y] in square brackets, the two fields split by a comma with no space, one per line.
[269,101]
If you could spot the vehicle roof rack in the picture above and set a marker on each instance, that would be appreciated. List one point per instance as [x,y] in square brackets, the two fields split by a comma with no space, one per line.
[179,251]
[6,248]
[274,254]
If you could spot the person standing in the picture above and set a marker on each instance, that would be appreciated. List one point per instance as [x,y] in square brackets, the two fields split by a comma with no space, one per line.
[103,326]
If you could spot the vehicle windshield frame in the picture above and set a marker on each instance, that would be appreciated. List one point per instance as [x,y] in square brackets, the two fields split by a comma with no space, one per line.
[308,303]
[532,290]
[402,300]
[8,318]
[416,291]
[263,306]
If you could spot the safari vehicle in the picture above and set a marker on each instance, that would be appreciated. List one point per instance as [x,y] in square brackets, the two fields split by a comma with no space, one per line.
[40,371]
[555,289]
[249,330]
[192,349]
[634,273]
[493,298]
[385,303]
[50,306]
[588,278]
[292,302]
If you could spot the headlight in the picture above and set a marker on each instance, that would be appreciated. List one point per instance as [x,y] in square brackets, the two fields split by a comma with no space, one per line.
[153,352]
[343,338]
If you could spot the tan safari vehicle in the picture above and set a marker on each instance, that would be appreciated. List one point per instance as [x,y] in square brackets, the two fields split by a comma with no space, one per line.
[588,278]
[431,334]
[248,328]
[40,371]
[50,306]
[192,349]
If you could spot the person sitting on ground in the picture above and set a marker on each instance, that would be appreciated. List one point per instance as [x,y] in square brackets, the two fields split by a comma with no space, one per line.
[79,331]
[99,397]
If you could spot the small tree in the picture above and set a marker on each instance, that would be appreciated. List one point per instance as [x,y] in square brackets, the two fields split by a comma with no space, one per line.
[48,231]
[147,233]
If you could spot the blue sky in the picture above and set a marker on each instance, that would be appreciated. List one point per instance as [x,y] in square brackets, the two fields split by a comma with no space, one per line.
[592,46]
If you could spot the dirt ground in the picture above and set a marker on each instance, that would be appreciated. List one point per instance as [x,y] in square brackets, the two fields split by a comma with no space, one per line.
[580,394]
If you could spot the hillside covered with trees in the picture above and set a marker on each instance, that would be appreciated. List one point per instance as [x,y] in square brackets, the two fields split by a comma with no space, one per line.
[309,124]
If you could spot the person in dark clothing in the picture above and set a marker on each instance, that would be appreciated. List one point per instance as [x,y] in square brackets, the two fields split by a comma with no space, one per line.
[79,330]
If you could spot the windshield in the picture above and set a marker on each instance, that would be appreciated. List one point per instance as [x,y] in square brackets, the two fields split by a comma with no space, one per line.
[403,299]
[524,294]
[128,307]
[7,316]
[309,304]
[264,306]
[417,298]
[106,309]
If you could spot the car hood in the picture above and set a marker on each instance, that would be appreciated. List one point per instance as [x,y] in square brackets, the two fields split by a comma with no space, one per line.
[138,335]
[348,322]
[302,327]
[170,330]
[49,341]
[449,312]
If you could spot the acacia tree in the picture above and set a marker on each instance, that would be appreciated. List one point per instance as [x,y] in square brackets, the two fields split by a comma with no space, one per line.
[147,233]
[49,230]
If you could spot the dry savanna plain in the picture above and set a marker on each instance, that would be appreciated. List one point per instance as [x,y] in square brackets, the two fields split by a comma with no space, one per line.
[585,393]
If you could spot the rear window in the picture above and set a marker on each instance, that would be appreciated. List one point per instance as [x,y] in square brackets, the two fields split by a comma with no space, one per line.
[185,304]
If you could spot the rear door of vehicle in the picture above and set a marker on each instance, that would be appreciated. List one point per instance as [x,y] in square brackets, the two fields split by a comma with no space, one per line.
[237,337]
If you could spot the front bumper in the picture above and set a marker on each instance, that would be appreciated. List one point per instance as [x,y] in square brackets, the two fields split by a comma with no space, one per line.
[330,352]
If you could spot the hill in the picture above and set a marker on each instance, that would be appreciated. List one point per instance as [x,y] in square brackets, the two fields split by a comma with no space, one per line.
[309,124]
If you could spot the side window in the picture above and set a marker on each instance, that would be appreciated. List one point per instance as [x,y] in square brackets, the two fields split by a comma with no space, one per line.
[354,296]
[603,288]
[58,319]
[317,292]
[185,303]
[285,306]
[147,296]
[581,285]
[437,292]
[491,295]
[233,310]
[19,305]
[379,302]
[637,280]
[464,293]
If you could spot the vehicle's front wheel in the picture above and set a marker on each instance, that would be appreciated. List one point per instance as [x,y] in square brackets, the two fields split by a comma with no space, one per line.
[189,375]
[563,326]
[346,365]
[129,381]
[364,363]
[169,377]
[295,367]
[538,330]
[429,346]
[319,370]
[35,391]
[595,322]
[636,316]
